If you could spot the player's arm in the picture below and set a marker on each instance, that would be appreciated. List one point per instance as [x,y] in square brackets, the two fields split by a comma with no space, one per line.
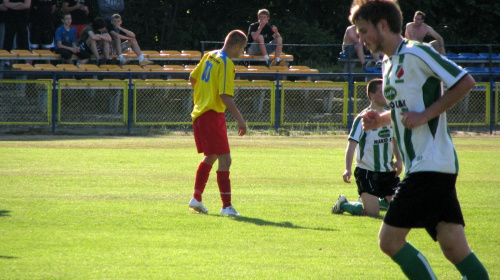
[105,37]
[255,34]
[65,8]
[450,97]
[372,119]
[409,32]
[128,34]
[231,106]
[438,38]
[398,164]
[192,81]
[349,155]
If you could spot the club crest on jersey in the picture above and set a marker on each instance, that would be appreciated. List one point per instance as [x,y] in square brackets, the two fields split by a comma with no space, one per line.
[400,71]
[390,93]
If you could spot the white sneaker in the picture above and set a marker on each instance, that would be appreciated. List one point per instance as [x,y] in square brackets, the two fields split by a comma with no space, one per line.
[145,62]
[123,61]
[197,206]
[229,211]
[336,208]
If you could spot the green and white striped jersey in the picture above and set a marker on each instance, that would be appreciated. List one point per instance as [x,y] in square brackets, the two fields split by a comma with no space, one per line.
[412,82]
[374,150]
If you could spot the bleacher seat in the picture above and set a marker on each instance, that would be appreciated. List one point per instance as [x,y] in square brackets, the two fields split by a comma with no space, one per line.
[373,70]
[135,68]
[4,53]
[452,56]
[89,67]
[68,67]
[495,70]
[25,54]
[468,56]
[486,56]
[304,69]
[47,67]
[46,53]
[476,70]
[24,67]
[192,54]
[261,69]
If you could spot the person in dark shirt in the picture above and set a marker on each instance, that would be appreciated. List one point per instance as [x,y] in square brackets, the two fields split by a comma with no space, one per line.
[264,39]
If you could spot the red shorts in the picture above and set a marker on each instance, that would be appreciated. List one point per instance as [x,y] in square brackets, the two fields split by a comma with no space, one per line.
[210,133]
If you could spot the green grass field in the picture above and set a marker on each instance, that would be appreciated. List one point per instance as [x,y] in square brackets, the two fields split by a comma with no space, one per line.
[116,208]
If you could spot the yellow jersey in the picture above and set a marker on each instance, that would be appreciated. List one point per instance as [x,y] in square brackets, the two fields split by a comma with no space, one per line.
[214,76]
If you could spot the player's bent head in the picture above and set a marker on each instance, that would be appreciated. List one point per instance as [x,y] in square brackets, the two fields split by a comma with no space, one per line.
[375,10]
[235,38]
[371,87]
[98,23]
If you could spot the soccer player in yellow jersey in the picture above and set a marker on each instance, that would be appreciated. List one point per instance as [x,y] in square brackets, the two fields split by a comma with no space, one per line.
[213,83]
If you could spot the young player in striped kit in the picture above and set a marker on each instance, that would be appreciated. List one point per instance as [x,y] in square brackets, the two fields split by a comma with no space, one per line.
[213,83]
[376,173]
[426,198]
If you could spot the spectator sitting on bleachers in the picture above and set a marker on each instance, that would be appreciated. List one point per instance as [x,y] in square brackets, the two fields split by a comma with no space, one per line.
[264,39]
[94,40]
[351,46]
[417,30]
[42,24]
[79,11]
[118,34]
[66,39]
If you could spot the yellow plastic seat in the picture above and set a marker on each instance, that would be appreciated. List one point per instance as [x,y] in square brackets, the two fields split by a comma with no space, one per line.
[136,68]
[47,67]
[192,54]
[46,53]
[68,67]
[24,67]
[89,67]
[24,54]
[4,53]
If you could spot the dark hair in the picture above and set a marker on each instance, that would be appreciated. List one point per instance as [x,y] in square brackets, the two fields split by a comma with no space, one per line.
[420,13]
[375,10]
[98,23]
[372,86]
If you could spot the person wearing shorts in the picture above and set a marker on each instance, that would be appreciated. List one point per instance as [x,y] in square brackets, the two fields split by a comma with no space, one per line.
[264,39]
[95,40]
[413,76]
[213,84]
[376,172]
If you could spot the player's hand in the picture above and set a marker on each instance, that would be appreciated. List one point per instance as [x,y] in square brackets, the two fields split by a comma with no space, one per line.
[413,119]
[370,120]
[242,128]
[347,176]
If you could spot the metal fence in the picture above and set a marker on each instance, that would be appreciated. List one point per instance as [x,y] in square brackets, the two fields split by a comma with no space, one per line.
[273,103]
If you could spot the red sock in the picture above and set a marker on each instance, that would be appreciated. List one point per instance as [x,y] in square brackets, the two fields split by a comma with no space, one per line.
[202,175]
[224,187]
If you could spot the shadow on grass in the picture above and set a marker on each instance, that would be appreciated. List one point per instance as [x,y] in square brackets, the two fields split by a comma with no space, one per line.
[260,222]
[4,213]
[7,257]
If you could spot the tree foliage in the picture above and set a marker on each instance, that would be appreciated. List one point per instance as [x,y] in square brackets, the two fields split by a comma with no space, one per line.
[182,24]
